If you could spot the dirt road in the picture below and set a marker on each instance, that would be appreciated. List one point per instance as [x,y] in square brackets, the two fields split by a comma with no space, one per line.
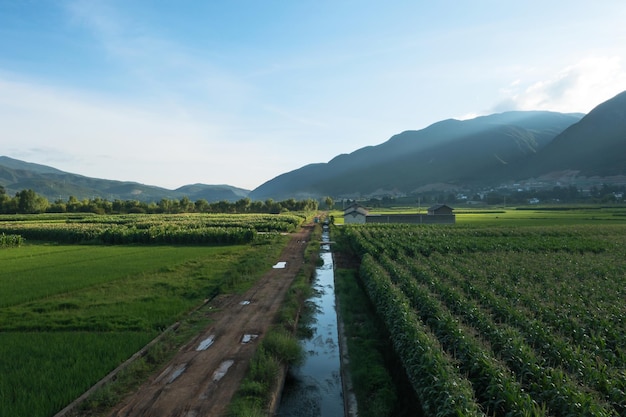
[202,378]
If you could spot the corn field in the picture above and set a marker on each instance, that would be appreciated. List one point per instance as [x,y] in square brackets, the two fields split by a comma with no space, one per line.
[194,229]
[503,321]
[10,241]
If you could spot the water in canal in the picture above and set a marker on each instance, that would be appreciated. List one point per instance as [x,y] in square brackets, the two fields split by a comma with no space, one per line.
[314,389]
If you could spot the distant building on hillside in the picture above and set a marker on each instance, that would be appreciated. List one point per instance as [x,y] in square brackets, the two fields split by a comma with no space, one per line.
[437,214]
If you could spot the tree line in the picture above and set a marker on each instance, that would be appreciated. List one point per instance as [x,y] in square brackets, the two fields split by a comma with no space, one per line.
[29,202]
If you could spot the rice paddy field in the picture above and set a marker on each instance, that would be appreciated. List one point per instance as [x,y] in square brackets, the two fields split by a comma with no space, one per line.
[71,313]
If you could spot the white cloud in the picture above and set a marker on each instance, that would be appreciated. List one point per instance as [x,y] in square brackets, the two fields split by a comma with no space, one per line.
[115,140]
[152,143]
[576,88]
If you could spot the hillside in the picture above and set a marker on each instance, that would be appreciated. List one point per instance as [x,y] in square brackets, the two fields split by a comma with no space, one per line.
[16,175]
[452,152]
[595,146]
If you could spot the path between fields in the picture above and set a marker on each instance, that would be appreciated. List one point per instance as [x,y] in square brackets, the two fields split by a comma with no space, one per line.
[200,382]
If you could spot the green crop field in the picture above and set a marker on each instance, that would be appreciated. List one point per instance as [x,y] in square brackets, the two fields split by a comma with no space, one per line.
[506,320]
[547,216]
[69,314]
[520,216]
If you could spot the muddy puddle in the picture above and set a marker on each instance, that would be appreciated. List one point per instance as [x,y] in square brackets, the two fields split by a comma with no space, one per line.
[314,389]
[222,370]
[206,343]
[177,372]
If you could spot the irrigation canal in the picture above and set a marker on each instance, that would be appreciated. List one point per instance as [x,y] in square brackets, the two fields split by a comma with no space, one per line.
[314,389]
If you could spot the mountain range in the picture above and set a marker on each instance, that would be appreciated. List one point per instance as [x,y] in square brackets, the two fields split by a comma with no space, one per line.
[487,151]
[451,154]
[16,175]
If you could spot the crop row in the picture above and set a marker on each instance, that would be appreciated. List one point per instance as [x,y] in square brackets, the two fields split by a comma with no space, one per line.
[258,222]
[10,241]
[542,368]
[77,233]
[495,386]
[181,229]
[425,241]
[535,327]
[442,390]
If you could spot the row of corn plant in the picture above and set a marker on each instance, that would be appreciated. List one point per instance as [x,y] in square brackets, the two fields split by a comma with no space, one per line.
[10,241]
[116,234]
[496,387]
[69,233]
[583,306]
[586,366]
[424,240]
[258,222]
[516,309]
[441,389]
[542,378]
[154,229]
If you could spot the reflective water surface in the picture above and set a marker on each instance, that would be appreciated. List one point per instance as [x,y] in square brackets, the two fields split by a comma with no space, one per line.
[314,389]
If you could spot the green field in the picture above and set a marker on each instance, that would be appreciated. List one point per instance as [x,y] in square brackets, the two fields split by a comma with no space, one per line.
[69,314]
[505,320]
[547,216]
[520,216]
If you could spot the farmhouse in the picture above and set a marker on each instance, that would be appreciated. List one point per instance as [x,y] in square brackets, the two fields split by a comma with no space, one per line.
[437,214]
[354,214]
[440,210]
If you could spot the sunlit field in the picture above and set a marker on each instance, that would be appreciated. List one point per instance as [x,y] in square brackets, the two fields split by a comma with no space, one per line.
[520,216]
[528,216]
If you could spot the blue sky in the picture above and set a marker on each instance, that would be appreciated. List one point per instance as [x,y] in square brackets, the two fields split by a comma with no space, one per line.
[237,92]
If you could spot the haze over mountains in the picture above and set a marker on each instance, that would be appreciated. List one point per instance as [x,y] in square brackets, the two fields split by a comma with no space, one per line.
[481,152]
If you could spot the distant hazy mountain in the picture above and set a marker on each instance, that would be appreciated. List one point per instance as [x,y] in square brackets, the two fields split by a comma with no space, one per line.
[453,152]
[16,175]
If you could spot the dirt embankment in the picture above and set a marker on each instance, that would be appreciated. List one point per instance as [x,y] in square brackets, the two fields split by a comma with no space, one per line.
[203,377]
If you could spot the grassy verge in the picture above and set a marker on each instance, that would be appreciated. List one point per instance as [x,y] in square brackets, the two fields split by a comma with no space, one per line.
[278,349]
[373,385]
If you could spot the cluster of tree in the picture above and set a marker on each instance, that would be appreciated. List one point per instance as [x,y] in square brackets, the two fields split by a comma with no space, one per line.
[29,202]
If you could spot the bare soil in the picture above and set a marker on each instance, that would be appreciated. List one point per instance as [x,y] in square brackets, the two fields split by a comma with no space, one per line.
[200,382]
